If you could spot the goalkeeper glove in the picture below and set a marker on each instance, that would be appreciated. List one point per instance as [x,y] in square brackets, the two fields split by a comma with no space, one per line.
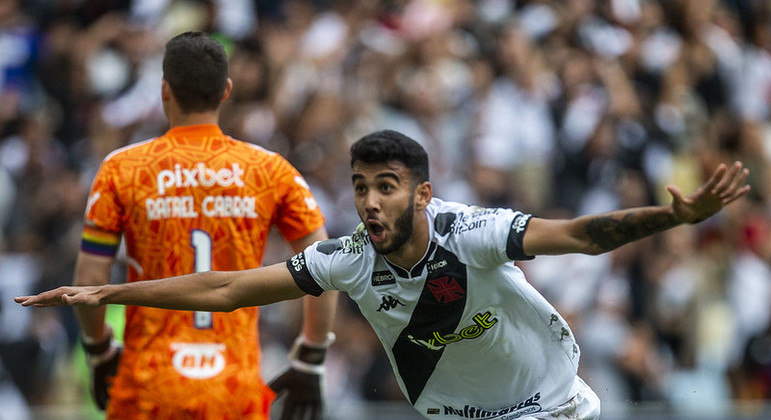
[303,380]
[102,357]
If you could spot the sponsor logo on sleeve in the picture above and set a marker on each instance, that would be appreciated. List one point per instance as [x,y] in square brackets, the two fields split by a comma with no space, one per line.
[468,223]
[519,223]
[298,262]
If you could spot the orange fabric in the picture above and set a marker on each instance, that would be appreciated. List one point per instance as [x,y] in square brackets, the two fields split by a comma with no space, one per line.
[193,200]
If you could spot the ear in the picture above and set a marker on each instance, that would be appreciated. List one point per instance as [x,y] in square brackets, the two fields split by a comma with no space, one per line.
[166,94]
[228,89]
[423,194]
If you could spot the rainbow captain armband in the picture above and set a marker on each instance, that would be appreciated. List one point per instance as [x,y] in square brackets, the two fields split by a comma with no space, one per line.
[99,242]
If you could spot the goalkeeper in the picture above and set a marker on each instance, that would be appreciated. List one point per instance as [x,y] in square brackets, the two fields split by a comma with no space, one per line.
[195,200]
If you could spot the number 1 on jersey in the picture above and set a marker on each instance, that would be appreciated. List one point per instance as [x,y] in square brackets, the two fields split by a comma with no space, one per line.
[201,243]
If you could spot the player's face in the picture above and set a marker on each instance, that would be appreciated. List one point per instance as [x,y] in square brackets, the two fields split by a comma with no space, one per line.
[384,199]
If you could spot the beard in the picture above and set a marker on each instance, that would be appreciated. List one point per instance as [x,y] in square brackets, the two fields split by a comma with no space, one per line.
[402,230]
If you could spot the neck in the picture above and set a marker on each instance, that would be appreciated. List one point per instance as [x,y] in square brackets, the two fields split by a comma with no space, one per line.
[195,118]
[415,248]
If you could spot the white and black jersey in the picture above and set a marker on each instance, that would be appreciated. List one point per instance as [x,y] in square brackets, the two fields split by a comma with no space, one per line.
[467,336]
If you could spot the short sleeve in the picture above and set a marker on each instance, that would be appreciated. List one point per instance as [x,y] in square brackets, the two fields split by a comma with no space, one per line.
[298,214]
[334,264]
[104,213]
[483,237]
[298,267]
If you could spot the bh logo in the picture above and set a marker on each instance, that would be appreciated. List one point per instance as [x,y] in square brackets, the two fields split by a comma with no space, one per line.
[198,360]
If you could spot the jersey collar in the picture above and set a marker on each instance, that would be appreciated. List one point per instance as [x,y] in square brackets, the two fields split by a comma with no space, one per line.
[201,130]
[417,269]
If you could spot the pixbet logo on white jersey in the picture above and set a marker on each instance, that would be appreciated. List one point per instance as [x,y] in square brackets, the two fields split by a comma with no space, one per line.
[199,175]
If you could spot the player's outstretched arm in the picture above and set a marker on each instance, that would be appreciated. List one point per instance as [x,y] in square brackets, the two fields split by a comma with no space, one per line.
[218,291]
[595,234]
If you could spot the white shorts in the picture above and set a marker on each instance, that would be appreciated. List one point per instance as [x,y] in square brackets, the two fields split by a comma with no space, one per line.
[585,405]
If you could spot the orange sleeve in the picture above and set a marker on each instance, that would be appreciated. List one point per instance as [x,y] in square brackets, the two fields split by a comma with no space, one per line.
[298,214]
[103,218]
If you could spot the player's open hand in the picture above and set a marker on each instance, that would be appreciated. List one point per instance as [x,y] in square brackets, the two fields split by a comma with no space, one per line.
[65,295]
[723,187]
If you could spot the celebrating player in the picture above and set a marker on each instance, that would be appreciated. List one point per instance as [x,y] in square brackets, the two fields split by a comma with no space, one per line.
[195,200]
[466,335]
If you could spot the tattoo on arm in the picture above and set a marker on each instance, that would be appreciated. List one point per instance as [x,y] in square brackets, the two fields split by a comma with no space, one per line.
[611,230]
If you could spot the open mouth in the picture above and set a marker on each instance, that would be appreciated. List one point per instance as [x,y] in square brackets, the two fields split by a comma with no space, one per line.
[376,230]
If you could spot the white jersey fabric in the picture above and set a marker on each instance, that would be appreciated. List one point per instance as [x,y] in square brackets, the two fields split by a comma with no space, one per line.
[467,336]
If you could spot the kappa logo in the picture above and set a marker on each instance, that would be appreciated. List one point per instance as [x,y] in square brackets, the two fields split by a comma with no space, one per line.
[382,278]
[389,302]
[446,289]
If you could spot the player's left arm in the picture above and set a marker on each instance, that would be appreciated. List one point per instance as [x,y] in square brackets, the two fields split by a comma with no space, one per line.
[214,291]
[599,233]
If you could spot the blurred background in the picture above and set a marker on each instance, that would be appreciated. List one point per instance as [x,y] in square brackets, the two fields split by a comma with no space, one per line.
[554,107]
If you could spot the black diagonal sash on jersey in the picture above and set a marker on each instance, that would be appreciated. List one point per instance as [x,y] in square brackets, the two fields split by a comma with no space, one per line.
[434,312]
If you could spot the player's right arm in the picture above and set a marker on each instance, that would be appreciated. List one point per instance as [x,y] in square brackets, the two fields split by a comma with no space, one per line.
[595,234]
[214,291]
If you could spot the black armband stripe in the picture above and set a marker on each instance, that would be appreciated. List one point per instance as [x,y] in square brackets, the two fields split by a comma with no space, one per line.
[302,276]
[514,247]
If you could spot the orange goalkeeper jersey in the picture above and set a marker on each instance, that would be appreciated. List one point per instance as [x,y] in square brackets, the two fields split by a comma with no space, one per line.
[193,200]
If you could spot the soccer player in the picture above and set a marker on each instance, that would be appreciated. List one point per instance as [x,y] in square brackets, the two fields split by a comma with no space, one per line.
[466,335]
[194,200]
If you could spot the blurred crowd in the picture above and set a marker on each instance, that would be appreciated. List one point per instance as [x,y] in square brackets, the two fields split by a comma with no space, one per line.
[555,107]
